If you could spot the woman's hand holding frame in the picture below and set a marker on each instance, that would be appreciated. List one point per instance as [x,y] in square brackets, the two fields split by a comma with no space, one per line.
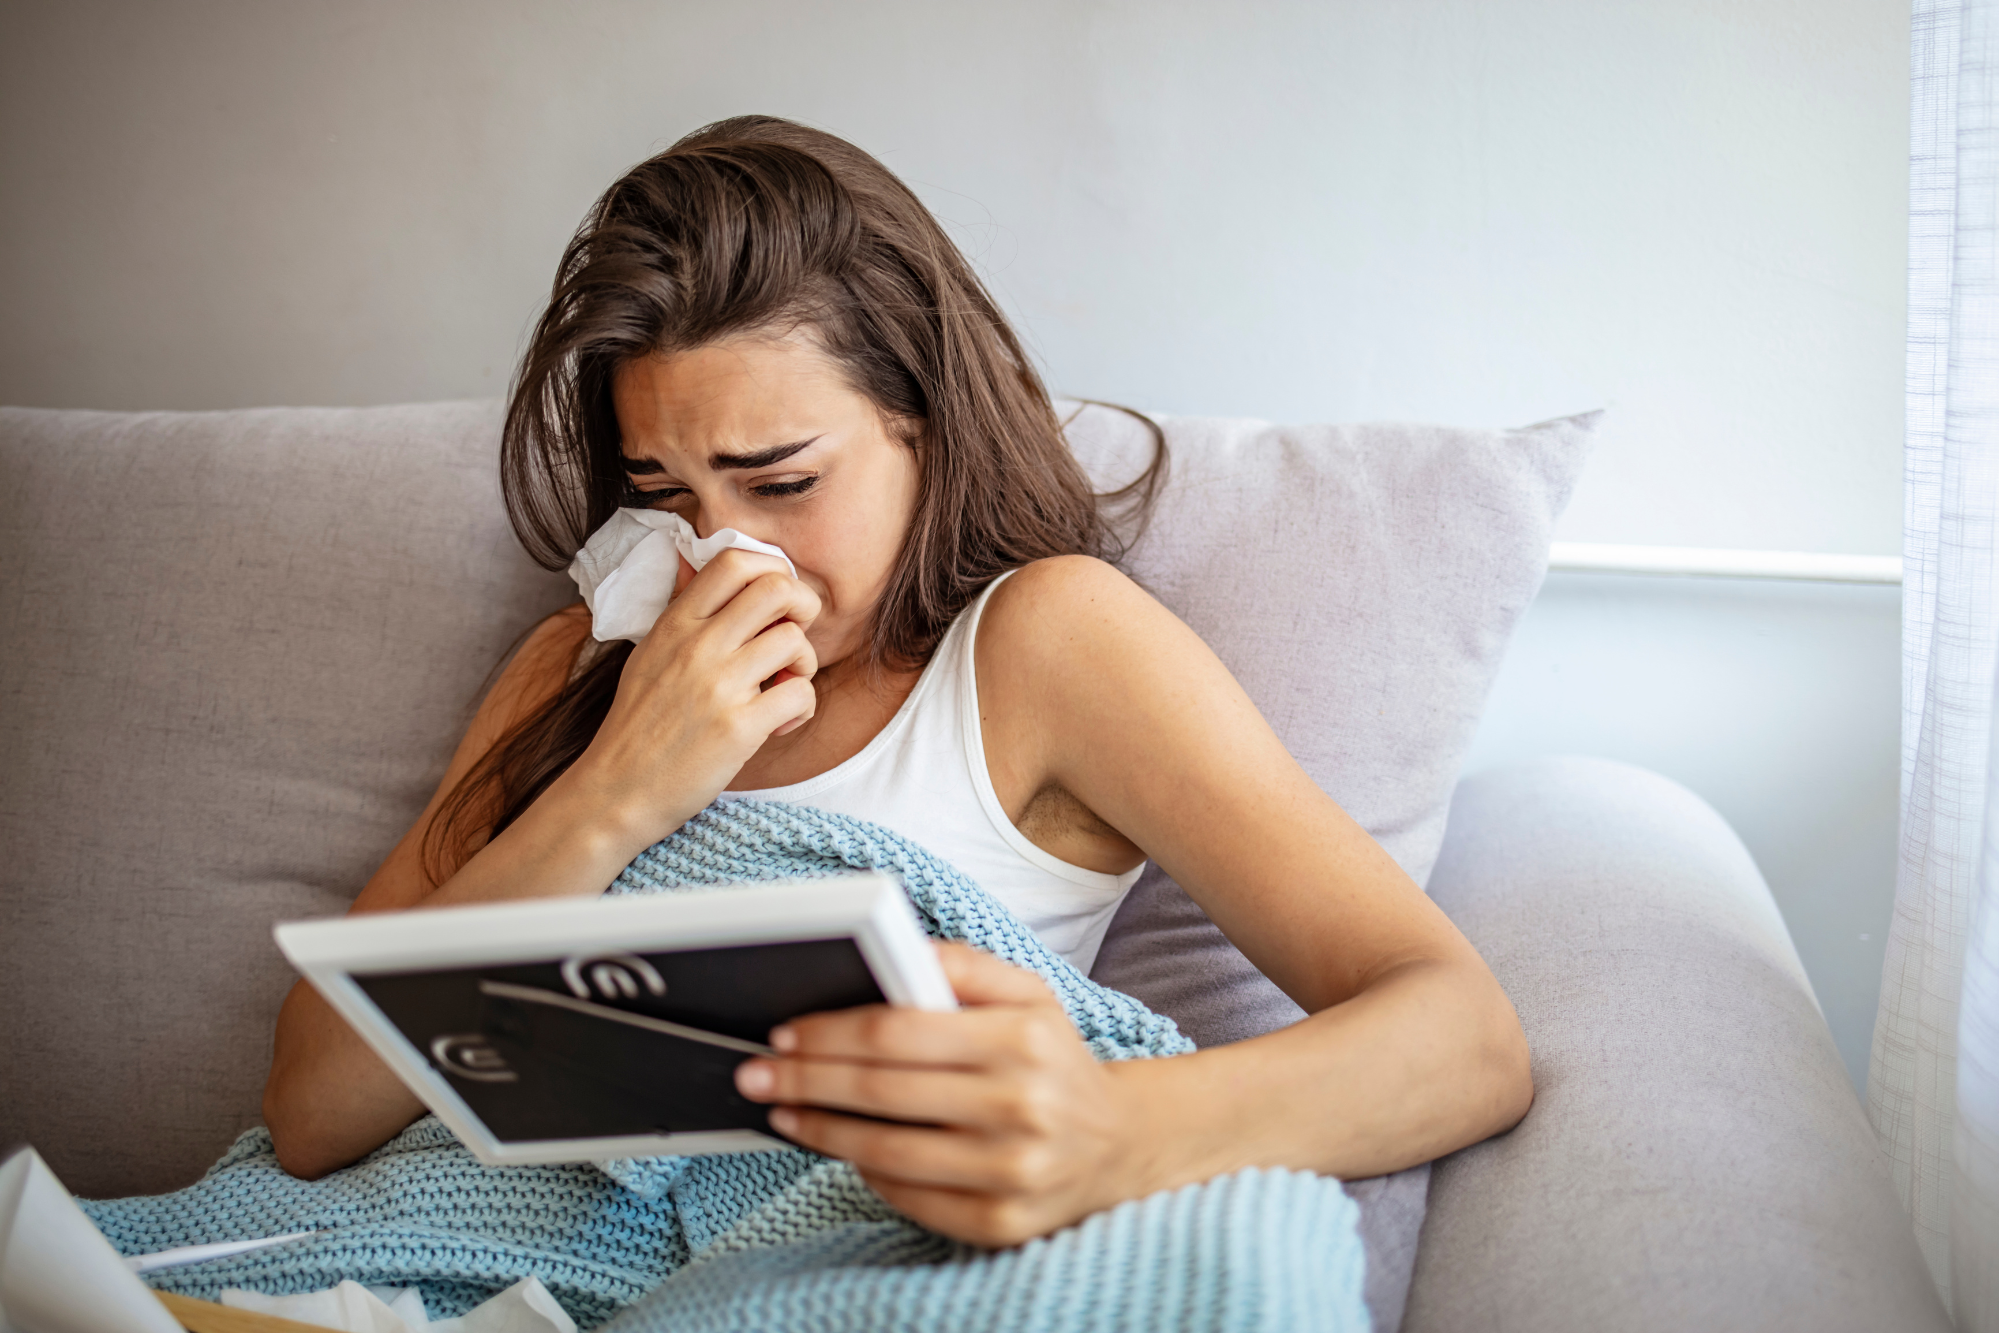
[1018,1129]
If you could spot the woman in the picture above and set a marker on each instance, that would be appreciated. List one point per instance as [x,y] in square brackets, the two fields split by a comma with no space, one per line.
[762,329]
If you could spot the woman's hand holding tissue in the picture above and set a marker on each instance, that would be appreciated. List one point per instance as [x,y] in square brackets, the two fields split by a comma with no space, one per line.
[725,667]
[703,612]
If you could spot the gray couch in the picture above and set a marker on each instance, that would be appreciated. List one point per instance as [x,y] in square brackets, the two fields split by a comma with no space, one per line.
[235,650]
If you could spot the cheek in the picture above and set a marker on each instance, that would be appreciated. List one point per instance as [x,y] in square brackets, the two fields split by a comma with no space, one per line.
[852,550]
[871,549]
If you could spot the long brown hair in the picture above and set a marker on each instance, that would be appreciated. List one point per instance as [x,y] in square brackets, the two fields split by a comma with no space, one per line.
[754,224]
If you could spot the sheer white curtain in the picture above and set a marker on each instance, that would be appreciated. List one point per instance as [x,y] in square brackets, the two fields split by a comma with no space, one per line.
[1931,1077]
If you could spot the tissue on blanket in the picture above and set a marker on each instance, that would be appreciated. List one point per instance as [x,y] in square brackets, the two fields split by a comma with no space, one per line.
[627,569]
[525,1307]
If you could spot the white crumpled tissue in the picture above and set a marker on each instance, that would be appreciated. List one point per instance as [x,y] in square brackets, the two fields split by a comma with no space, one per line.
[58,1274]
[525,1307]
[628,567]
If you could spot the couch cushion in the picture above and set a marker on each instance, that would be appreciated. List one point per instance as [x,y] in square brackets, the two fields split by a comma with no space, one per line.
[238,649]
[1362,583]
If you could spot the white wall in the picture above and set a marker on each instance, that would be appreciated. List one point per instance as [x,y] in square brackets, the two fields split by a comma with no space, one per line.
[1481,213]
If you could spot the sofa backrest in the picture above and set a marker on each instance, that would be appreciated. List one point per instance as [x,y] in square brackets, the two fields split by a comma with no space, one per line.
[236,649]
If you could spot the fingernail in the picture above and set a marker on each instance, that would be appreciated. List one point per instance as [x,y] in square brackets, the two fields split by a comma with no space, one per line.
[783,1039]
[754,1078]
[784,1120]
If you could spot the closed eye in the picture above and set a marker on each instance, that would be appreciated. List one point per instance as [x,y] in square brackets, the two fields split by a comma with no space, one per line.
[779,489]
[770,490]
[638,499]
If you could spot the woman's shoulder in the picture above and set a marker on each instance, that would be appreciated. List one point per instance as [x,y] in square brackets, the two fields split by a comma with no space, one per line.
[1063,575]
[1059,592]
[1074,608]
[540,666]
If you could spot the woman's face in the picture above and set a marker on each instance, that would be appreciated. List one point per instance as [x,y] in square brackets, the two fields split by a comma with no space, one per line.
[762,434]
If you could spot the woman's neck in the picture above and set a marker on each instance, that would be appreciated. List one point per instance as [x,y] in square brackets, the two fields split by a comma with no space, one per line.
[856,699]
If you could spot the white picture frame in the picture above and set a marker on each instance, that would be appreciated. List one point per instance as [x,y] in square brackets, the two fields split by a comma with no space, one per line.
[868,908]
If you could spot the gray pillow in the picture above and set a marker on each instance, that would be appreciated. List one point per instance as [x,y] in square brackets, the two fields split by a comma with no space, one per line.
[1362,583]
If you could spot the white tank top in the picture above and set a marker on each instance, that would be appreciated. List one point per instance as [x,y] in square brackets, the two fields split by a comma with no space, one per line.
[924,775]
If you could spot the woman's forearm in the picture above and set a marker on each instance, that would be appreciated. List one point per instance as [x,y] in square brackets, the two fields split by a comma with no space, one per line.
[329,1099]
[1427,1059]
[571,843]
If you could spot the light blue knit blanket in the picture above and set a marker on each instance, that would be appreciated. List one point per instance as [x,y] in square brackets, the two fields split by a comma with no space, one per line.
[784,1241]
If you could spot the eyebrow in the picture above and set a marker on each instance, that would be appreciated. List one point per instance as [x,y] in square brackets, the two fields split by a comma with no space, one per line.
[640,467]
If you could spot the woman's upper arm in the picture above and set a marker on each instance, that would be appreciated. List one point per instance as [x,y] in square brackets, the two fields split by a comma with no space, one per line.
[531,678]
[1138,719]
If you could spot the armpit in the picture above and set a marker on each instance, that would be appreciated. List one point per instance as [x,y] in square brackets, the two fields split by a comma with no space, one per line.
[1064,827]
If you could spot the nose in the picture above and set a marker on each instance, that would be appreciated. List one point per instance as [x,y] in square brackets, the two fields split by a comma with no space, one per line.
[716,509]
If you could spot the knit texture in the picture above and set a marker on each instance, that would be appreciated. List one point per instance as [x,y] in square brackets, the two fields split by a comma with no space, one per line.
[782,1240]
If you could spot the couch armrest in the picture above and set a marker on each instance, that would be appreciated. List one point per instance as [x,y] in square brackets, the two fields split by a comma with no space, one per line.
[1695,1157]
